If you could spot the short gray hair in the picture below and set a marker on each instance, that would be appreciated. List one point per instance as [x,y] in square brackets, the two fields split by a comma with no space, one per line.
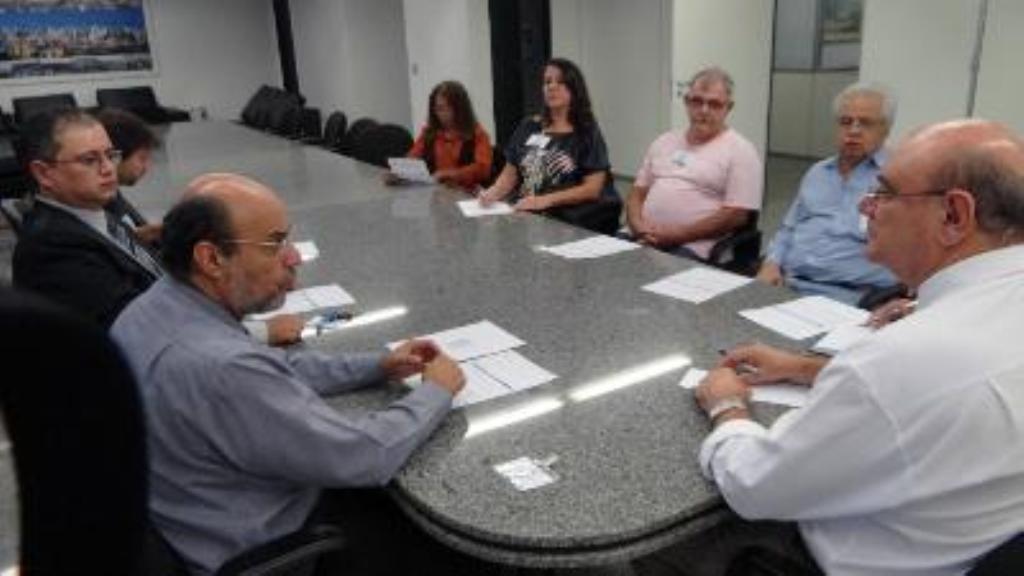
[713,75]
[871,89]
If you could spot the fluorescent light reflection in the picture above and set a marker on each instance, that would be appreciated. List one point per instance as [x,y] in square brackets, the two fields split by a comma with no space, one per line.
[511,416]
[11,571]
[629,377]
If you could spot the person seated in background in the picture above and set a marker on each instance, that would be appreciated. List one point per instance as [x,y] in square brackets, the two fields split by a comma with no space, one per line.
[241,441]
[454,146]
[559,159]
[70,250]
[908,457]
[820,247]
[697,186]
[136,141]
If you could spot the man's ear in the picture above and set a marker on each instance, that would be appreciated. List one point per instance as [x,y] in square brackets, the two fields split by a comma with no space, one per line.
[208,259]
[41,171]
[959,217]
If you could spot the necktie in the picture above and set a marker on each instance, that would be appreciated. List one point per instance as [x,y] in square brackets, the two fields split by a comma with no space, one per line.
[125,238]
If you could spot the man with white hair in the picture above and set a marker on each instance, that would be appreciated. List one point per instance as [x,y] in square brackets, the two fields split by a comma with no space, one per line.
[820,247]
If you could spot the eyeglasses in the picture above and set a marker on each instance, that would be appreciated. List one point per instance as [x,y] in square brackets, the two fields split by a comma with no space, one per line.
[93,160]
[882,193]
[849,123]
[699,102]
[275,247]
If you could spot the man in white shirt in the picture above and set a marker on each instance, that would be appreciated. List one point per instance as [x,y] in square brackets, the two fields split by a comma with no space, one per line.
[909,457]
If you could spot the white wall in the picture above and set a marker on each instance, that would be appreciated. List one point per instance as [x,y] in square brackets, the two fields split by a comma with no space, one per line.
[802,122]
[350,55]
[922,49]
[624,50]
[795,23]
[456,45]
[1000,84]
[736,35]
[209,54]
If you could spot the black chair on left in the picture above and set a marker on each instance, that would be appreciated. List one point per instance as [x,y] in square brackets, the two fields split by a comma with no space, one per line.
[79,443]
[381,142]
[141,101]
[1008,558]
[28,106]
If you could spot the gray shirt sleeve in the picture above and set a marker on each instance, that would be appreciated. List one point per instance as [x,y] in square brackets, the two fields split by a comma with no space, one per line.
[266,420]
[331,374]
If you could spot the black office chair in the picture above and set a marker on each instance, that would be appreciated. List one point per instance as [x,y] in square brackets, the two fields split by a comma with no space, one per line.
[739,252]
[1008,558]
[28,106]
[14,210]
[354,134]
[141,101]
[334,130]
[270,101]
[381,142]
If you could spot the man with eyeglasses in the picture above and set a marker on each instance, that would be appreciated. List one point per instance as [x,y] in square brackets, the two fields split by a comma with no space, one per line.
[69,250]
[241,442]
[908,458]
[695,187]
[820,246]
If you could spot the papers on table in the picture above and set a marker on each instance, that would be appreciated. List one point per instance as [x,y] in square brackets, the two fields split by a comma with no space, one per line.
[793,395]
[697,284]
[298,301]
[806,317]
[492,368]
[307,250]
[411,170]
[473,209]
[593,247]
[841,338]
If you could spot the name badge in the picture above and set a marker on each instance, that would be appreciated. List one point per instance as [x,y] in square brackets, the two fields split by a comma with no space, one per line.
[679,158]
[538,140]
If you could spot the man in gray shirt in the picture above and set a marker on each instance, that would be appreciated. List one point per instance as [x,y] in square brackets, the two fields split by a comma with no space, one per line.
[240,441]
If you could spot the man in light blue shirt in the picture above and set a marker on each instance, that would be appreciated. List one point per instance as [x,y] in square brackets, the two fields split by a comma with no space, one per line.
[820,247]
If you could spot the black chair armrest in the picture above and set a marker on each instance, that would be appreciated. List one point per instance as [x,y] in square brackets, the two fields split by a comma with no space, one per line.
[727,246]
[1008,558]
[285,555]
[176,115]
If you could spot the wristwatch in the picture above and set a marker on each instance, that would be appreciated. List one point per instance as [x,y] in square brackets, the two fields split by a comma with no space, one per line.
[724,405]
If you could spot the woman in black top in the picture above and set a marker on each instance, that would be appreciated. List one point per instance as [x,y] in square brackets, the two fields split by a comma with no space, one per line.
[558,161]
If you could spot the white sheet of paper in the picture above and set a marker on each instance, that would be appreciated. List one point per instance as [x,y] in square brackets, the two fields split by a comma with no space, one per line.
[513,370]
[525,473]
[411,170]
[473,209]
[299,301]
[593,247]
[806,317]
[471,341]
[480,386]
[307,250]
[786,394]
[841,338]
[697,285]
[692,378]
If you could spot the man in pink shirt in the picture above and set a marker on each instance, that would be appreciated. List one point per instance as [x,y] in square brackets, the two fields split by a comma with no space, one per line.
[694,187]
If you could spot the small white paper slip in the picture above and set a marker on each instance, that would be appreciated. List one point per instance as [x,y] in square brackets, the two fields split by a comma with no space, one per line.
[526,473]
[805,317]
[480,386]
[513,370]
[697,285]
[841,338]
[473,209]
[299,301]
[411,170]
[692,378]
[593,247]
[471,341]
[307,250]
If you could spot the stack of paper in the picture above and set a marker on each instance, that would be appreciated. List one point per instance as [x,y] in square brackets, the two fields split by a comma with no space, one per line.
[485,354]
[473,209]
[298,301]
[411,170]
[593,247]
[806,317]
[793,395]
[697,284]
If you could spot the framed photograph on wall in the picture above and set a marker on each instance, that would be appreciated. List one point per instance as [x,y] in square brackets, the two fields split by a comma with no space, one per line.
[44,40]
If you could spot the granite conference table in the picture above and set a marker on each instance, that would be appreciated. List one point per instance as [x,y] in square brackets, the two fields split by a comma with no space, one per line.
[621,434]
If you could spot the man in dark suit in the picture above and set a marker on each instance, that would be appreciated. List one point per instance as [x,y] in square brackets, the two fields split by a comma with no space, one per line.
[69,251]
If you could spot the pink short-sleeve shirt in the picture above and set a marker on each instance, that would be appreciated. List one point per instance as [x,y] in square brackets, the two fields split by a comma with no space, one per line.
[687,182]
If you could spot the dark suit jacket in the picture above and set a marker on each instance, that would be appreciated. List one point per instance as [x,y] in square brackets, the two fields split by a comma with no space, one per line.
[63,259]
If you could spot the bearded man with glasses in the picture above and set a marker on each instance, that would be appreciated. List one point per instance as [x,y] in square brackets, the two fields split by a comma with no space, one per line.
[696,186]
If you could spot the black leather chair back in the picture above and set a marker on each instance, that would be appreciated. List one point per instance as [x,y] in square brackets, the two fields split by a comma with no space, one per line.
[131,99]
[378,144]
[354,133]
[740,252]
[1004,560]
[334,130]
[28,106]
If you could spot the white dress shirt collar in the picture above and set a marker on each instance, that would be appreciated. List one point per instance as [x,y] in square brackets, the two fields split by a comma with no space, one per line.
[974,270]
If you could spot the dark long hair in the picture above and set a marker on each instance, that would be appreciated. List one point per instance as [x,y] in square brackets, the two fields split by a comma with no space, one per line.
[462,111]
[580,113]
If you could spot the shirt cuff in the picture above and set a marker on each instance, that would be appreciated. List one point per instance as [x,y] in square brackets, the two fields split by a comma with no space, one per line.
[728,429]
[258,330]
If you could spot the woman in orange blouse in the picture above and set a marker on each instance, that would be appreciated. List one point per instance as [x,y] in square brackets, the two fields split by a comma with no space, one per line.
[455,147]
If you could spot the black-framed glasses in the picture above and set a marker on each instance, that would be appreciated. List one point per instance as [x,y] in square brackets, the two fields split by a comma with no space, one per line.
[699,102]
[93,160]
